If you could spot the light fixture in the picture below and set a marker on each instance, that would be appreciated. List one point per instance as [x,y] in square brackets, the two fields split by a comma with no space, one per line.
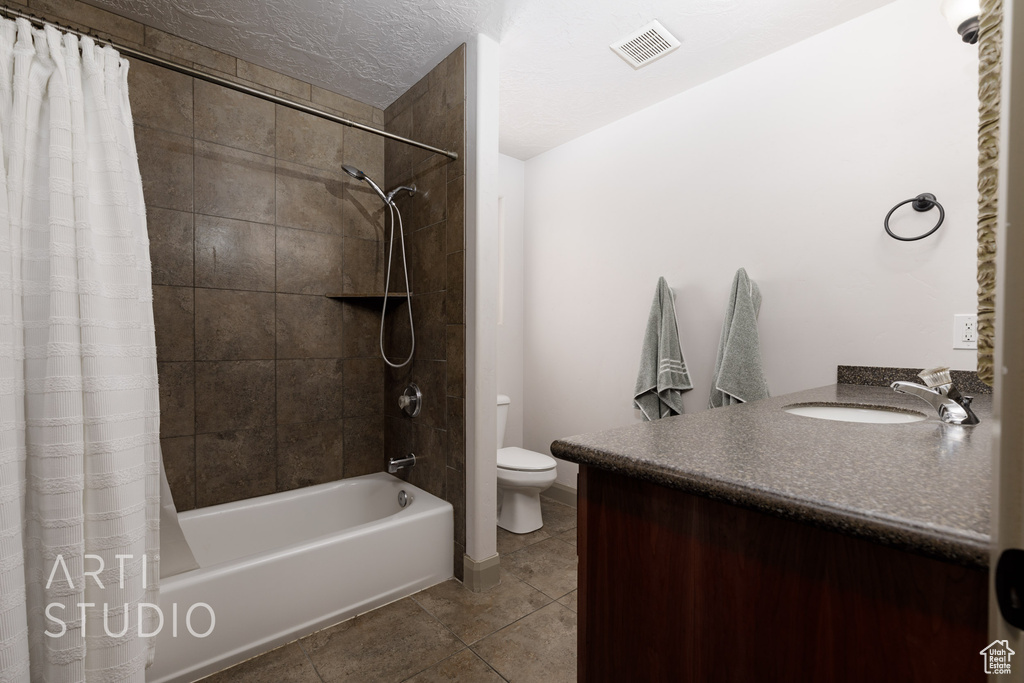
[962,15]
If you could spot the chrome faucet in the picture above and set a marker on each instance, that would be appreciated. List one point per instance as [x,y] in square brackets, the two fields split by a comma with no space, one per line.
[395,464]
[952,406]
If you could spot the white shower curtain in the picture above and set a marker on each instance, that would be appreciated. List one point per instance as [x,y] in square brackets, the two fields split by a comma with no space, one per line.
[79,416]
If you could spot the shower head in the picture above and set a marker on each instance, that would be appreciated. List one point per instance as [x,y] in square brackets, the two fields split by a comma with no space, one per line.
[353,171]
[359,175]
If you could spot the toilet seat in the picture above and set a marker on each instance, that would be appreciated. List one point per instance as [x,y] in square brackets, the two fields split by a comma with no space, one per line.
[522,460]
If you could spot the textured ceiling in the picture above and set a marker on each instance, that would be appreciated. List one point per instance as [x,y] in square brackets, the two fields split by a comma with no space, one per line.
[370,50]
[560,80]
[558,77]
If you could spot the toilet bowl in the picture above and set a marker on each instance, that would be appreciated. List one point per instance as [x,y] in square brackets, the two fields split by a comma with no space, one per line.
[522,476]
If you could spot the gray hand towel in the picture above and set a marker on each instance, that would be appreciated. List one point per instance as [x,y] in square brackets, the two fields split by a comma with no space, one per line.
[662,378]
[739,377]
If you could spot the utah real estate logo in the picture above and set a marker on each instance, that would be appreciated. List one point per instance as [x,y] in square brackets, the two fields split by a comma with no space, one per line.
[997,657]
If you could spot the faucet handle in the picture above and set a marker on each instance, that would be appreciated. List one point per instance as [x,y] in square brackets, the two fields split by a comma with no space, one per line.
[972,419]
[411,400]
[965,404]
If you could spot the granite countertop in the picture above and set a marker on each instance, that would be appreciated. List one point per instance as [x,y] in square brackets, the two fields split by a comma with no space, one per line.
[921,486]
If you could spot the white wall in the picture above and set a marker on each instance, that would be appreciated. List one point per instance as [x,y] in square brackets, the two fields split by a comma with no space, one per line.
[510,293]
[786,167]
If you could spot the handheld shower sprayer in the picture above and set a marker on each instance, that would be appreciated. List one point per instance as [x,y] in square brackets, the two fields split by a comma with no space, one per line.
[388,200]
[359,175]
[353,171]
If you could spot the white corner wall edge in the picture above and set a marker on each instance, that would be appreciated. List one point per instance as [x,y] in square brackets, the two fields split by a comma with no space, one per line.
[1008,431]
[481,297]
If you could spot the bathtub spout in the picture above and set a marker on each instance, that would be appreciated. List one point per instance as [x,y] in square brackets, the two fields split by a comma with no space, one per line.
[395,464]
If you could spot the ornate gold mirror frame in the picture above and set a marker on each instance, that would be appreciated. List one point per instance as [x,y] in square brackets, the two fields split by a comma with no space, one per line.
[990,44]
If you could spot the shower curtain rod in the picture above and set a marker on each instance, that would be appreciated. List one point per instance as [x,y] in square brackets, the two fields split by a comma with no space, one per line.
[216,80]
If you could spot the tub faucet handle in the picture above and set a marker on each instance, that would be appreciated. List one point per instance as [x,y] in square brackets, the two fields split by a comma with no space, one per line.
[411,400]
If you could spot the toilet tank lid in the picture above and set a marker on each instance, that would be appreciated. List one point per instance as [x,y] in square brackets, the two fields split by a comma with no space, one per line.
[514,458]
[503,400]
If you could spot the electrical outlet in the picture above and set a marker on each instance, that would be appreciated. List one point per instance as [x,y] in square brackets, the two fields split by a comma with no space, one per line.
[965,331]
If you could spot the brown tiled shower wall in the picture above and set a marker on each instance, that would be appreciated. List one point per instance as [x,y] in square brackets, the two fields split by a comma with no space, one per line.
[266,384]
[433,110]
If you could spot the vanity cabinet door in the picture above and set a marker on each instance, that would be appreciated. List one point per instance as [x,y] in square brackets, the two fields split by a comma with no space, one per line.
[676,587]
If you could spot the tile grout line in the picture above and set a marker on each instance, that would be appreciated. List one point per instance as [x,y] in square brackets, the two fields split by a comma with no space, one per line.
[195,389]
[450,657]
[553,602]
[344,334]
[550,538]
[438,620]
[471,644]
[277,418]
[454,635]
[547,595]
[487,635]
[309,659]
[488,665]
[512,552]
[409,678]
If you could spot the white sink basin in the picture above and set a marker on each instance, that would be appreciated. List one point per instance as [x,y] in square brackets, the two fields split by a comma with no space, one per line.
[849,413]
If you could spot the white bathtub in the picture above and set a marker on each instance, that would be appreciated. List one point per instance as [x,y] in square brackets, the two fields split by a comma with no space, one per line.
[281,566]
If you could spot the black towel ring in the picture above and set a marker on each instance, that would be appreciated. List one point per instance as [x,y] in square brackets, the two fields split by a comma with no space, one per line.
[922,202]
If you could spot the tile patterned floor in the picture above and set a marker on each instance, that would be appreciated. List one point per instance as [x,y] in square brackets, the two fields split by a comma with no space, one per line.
[524,629]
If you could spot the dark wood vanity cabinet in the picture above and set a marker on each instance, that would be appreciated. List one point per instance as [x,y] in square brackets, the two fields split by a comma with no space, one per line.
[678,587]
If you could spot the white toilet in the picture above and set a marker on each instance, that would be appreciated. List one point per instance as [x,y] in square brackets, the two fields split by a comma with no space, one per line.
[522,475]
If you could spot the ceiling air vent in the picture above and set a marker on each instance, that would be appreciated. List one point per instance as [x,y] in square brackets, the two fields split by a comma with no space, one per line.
[645,45]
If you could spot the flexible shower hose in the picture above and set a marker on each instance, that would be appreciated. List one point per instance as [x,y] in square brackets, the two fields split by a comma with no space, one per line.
[387,286]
